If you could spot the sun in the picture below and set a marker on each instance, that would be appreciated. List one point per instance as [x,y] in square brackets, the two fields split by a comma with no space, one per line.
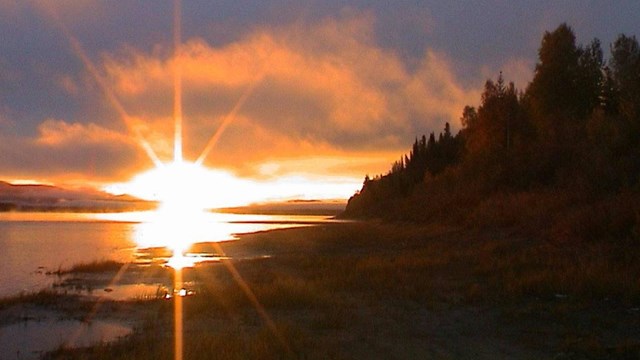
[180,186]
[183,187]
[184,191]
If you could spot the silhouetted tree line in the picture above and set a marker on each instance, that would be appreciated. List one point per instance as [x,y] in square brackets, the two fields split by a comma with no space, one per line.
[427,156]
[576,127]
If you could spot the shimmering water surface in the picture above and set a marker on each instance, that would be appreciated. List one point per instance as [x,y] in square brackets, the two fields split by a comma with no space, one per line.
[32,244]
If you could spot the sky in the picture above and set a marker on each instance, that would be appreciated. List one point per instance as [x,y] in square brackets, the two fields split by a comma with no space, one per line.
[300,92]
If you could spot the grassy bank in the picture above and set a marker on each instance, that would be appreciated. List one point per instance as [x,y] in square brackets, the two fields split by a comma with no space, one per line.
[373,290]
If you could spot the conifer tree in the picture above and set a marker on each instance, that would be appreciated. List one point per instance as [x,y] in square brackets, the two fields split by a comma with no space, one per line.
[625,71]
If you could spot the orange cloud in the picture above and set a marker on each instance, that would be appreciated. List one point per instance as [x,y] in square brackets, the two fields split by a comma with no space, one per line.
[326,83]
[315,91]
[54,133]
[436,91]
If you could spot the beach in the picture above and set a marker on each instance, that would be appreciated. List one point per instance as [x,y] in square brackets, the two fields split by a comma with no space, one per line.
[374,290]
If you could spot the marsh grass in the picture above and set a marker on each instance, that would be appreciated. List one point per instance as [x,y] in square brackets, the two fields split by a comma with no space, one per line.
[98,266]
[93,267]
[43,297]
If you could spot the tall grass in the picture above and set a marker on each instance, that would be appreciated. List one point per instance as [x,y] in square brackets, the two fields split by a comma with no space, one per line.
[97,266]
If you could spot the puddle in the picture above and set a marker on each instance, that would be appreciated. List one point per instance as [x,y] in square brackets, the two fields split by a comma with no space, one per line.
[31,339]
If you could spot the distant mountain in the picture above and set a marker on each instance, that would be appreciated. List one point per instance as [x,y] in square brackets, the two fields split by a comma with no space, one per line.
[53,198]
[291,207]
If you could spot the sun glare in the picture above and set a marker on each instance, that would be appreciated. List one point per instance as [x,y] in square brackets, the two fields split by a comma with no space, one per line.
[183,186]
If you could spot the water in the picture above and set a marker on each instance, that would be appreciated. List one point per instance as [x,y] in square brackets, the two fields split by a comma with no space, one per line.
[31,248]
[32,244]
[31,339]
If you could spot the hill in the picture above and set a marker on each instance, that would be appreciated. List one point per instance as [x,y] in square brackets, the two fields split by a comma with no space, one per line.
[36,197]
[561,157]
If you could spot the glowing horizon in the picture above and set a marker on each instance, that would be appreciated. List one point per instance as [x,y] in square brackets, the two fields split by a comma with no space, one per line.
[183,184]
[295,177]
[209,188]
[251,83]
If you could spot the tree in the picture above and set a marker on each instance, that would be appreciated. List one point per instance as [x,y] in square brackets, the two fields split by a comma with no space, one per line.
[625,75]
[447,132]
[469,117]
[609,96]
[554,87]
[625,72]
[492,128]
[565,86]
[576,130]
[590,78]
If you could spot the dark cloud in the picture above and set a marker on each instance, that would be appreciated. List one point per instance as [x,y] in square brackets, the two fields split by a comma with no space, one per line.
[72,152]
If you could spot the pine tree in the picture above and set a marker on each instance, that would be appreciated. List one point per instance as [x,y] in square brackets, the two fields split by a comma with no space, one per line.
[625,71]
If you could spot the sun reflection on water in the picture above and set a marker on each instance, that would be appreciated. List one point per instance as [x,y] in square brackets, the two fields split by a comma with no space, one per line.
[180,237]
[176,230]
[184,238]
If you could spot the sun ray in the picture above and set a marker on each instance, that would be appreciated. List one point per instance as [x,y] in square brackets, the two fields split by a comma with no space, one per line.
[178,316]
[254,300]
[128,120]
[182,169]
[177,158]
[177,81]
[230,116]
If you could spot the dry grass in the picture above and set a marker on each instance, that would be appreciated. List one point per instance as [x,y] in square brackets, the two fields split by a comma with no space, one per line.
[42,297]
[335,291]
[408,262]
[97,267]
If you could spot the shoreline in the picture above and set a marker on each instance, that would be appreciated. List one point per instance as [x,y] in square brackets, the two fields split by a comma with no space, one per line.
[373,289]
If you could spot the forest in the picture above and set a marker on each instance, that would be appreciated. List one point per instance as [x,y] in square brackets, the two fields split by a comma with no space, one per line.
[561,156]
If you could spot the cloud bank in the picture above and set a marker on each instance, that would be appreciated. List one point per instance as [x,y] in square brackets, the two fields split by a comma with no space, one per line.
[310,90]
[315,89]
